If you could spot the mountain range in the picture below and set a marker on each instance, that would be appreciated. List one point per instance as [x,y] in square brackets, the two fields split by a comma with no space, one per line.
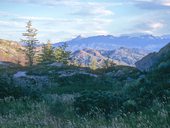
[122,50]
[119,56]
[110,42]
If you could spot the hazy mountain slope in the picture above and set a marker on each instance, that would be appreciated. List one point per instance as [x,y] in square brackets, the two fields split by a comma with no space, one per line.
[109,42]
[153,59]
[120,56]
[11,51]
[126,55]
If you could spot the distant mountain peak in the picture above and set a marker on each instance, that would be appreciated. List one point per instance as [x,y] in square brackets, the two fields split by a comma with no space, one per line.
[79,37]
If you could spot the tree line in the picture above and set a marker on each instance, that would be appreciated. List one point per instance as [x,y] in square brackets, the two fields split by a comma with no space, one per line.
[48,53]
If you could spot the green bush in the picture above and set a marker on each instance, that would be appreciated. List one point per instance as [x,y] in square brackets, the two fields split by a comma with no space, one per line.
[130,106]
[96,103]
[7,90]
[15,106]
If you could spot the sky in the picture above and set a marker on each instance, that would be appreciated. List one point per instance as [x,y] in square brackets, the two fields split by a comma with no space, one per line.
[61,20]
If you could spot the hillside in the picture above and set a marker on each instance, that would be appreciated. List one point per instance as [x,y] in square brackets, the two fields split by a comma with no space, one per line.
[154,59]
[11,51]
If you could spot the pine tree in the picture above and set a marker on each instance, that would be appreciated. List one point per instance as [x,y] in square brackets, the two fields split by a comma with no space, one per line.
[61,54]
[30,42]
[47,54]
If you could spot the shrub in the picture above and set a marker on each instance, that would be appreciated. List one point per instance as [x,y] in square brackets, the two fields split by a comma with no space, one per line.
[130,106]
[7,90]
[99,102]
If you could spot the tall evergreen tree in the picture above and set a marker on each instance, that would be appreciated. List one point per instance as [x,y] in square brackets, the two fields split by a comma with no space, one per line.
[47,54]
[30,42]
[61,54]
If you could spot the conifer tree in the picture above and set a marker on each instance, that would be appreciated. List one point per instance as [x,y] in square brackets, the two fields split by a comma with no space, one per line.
[30,43]
[61,54]
[47,54]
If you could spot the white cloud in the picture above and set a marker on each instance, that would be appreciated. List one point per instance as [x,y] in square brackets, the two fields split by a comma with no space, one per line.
[154,4]
[156,25]
[10,24]
[76,7]
[166,2]
[36,18]
[92,9]
[46,2]
[149,27]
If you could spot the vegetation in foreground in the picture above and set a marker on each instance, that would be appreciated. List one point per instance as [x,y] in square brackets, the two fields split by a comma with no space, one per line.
[68,96]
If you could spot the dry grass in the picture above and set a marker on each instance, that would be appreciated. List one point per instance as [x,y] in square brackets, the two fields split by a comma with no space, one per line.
[24,113]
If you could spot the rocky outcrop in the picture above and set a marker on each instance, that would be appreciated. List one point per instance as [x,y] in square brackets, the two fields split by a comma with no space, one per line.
[149,61]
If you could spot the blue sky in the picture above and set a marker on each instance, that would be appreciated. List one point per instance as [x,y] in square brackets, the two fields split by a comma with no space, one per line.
[60,20]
